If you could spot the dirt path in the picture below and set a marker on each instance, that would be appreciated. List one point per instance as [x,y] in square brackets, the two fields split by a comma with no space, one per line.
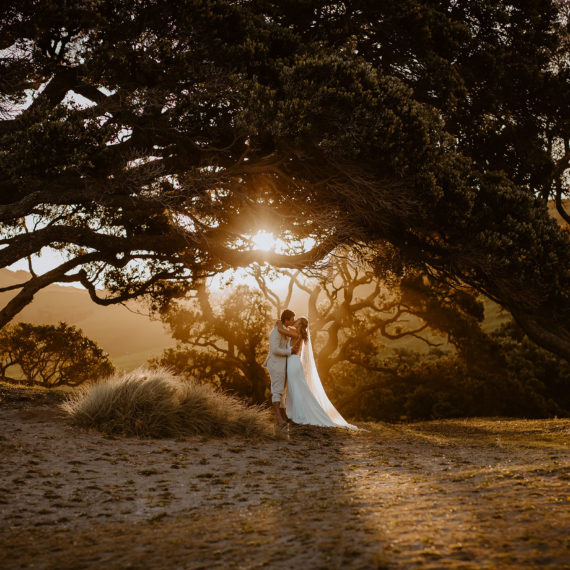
[448,494]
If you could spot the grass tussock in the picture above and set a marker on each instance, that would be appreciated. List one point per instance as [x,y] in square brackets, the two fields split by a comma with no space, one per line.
[157,404]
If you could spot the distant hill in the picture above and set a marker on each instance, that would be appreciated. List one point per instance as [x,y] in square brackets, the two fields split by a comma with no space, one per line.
[129,338]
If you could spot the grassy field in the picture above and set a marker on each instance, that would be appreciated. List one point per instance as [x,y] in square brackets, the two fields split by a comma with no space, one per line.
[476,493]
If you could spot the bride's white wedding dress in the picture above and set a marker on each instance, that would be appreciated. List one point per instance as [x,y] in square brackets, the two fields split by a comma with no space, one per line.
[307,402]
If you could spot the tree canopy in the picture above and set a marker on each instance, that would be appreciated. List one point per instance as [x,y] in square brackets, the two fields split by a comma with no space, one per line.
[148,141]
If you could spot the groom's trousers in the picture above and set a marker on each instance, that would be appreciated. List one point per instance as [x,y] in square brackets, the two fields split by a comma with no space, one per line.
[278,390]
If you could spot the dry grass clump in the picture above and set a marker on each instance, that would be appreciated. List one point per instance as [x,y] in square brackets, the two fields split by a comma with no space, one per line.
[157,404]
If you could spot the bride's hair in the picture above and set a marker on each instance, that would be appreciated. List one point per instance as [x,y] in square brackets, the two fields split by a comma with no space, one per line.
[304,328]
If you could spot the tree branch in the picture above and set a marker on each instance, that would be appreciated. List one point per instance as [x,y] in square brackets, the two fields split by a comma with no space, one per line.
[54,92]
[25,296]
[558,201]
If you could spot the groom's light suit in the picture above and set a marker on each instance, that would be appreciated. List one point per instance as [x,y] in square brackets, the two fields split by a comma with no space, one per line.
[276,363]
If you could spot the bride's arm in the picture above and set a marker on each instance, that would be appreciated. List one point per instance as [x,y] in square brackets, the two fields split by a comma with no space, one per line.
[286,332]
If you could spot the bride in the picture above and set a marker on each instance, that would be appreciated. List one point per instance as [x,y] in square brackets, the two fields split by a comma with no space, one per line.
[307,402]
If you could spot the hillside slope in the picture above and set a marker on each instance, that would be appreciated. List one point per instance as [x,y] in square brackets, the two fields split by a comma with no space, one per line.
[129,338]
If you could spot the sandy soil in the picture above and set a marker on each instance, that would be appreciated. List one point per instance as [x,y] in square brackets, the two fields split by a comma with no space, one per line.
[447,494]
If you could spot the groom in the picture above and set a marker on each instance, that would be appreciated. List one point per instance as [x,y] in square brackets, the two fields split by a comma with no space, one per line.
[276,364]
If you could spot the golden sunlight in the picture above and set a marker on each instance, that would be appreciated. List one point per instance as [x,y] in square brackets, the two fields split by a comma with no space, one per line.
[263,240]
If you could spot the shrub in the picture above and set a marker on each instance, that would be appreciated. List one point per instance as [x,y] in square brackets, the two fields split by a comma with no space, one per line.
[156,404]
[50,356]
[502,375]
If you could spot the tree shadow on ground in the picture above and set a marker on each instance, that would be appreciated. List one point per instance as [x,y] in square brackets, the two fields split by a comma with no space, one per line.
[443,498]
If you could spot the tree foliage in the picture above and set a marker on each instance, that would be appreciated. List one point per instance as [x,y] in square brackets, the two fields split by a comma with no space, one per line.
[49,355]
[224,344]
[501,375]
[428,134]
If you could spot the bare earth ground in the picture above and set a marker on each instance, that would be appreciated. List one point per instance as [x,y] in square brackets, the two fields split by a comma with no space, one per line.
[446,494]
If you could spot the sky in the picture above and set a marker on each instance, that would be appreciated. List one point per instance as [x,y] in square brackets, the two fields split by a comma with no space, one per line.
[263,240]
[49,259]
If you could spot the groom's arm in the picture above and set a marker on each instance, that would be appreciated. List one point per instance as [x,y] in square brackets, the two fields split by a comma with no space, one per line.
[286,332]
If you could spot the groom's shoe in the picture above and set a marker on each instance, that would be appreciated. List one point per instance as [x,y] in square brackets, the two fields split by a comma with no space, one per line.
[285,416]
[279,414]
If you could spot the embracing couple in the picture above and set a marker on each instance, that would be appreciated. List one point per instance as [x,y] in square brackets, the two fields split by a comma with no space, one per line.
[291,361]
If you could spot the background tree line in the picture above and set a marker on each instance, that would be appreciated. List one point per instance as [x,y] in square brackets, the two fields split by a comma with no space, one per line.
[385,349]
[50,356]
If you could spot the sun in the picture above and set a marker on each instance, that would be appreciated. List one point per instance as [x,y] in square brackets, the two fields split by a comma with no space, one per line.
[263,240]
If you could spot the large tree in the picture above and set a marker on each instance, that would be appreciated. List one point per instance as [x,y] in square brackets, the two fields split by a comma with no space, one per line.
[148,140]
